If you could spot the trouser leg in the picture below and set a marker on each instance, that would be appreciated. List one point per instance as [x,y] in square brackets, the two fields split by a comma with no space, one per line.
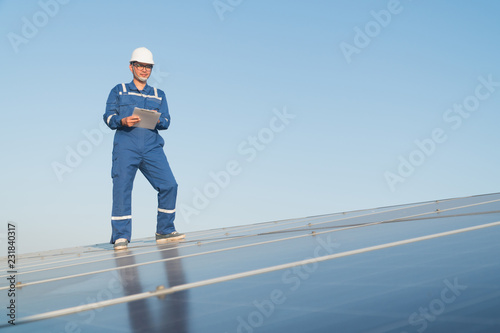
[156,169]
[124,168]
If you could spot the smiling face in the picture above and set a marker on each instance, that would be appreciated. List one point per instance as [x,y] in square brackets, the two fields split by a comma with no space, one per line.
[141,71]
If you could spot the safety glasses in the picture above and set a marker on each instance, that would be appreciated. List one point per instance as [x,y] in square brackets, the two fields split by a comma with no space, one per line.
[145,66]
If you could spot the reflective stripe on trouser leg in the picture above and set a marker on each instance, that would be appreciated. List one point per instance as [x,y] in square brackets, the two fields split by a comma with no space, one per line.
[156,169]
[125,164]
[121,227]
[166,217]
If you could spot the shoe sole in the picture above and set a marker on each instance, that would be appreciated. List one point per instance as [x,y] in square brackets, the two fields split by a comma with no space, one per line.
[170,239]
[121,247]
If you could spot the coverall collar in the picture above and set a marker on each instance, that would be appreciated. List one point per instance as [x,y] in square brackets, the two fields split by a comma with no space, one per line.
[132,86]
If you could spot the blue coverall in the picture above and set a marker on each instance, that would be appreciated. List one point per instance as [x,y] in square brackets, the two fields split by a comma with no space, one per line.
[139,148]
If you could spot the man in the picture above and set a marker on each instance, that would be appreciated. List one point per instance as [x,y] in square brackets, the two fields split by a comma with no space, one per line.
[139,148]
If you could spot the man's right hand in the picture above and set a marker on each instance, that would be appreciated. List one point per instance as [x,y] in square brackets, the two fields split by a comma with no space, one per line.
[130,121]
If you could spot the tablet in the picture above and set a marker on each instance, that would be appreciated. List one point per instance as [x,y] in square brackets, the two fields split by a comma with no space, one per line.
[149,118]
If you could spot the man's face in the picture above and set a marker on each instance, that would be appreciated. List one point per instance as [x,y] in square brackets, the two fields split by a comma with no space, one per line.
[141,71]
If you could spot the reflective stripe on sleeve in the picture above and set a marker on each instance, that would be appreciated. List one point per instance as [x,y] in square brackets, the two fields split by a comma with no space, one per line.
[109,118]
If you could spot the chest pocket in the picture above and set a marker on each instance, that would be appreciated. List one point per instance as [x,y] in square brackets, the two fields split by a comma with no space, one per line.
[125,105]
[153,104]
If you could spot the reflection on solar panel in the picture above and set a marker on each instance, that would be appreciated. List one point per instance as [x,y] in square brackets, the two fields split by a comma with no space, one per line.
[431,266]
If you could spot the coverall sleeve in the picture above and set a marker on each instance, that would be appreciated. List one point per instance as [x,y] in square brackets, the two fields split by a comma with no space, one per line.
[165,116]
[111,117]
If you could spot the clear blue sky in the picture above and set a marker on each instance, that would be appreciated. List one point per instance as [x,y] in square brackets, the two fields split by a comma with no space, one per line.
[296,108]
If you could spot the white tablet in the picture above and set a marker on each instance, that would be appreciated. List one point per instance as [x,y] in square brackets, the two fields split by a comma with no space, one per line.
[149,118]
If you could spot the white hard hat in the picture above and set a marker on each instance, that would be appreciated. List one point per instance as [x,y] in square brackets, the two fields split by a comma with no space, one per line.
[143,55]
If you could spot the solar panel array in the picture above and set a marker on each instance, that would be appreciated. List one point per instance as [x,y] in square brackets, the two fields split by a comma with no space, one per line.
[430,266]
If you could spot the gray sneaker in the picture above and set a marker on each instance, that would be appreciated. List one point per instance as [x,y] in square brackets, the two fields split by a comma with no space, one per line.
[121,244]
[173,236]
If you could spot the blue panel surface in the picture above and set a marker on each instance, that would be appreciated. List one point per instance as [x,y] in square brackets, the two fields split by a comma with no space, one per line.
[430,266]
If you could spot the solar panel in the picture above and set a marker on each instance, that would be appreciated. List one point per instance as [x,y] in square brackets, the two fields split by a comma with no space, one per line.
[407,268]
